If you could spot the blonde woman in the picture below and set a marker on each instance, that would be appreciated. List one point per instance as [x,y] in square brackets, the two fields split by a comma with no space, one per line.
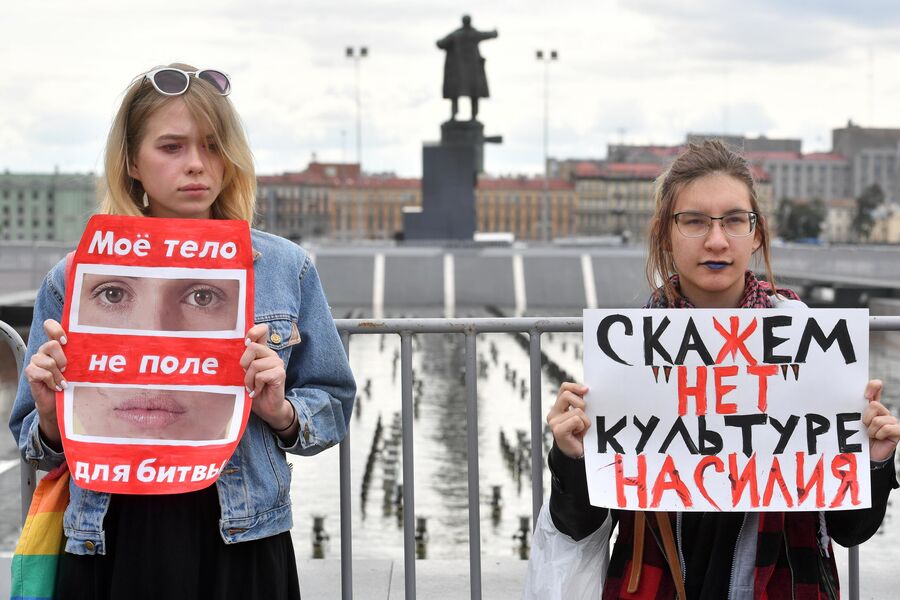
[177,149]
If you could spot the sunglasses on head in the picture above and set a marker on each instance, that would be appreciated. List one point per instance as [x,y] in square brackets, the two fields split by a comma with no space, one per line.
[169,81]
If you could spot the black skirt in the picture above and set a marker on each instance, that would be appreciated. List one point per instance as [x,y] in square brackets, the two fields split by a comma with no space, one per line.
[170,547]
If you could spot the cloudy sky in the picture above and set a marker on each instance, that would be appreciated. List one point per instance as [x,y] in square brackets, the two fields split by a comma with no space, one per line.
[638,71]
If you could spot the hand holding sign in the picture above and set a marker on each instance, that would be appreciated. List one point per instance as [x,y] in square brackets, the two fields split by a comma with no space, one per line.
[44,374]
[567,419]
[264,381]
[881,425]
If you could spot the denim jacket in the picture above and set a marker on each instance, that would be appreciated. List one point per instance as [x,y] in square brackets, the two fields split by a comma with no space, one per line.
[254,485]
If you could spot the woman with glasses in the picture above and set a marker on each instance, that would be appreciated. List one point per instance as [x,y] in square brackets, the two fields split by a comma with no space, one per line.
[706,230]
[177,149]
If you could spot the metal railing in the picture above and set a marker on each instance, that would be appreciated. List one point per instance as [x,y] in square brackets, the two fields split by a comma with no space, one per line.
[406,328]
[11,340]
[533,327]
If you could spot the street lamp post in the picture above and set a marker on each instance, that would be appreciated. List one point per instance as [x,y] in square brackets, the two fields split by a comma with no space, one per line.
[356,55]
[546,58]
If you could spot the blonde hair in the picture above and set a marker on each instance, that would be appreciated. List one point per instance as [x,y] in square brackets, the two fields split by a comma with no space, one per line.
[213,112]
[699,160]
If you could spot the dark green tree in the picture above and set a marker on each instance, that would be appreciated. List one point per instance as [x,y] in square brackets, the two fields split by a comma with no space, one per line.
[800,220]
[871,198]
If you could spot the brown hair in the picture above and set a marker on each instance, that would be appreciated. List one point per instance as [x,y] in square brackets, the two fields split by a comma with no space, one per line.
[213,112]
[698,160]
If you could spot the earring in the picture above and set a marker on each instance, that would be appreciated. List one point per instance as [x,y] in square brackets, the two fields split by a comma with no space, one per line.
[146,201]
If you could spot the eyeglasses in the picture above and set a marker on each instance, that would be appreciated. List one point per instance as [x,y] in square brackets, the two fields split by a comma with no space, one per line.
[735,224]
[169,81]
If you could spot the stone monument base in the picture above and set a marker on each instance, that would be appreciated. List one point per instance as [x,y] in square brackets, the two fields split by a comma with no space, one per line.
[465,133]
[449,176]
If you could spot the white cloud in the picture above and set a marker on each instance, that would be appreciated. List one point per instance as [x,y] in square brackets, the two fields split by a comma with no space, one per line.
[644,71]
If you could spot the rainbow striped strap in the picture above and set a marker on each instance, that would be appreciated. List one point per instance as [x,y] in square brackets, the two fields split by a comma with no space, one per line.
[37,553]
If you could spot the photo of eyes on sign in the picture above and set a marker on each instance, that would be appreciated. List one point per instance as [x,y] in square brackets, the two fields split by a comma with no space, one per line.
[727,410]
[156,313]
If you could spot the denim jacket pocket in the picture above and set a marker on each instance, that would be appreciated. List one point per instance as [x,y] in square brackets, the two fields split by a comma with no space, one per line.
[283,332]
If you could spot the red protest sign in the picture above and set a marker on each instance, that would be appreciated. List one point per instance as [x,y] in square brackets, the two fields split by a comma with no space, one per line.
[156,313]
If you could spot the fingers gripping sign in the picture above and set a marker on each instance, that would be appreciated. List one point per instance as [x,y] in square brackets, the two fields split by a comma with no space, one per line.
[567,419]
[882,427]
[265,382]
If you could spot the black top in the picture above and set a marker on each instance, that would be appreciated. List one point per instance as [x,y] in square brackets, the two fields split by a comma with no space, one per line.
[170,547]
[700,534]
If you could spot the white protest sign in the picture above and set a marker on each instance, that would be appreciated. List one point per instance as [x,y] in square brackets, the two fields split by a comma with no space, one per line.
[720,410]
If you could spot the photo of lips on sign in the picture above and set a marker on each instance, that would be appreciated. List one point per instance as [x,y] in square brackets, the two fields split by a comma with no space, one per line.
[156,313]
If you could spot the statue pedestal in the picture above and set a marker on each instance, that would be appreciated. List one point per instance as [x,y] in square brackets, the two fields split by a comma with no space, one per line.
[465,133]
[449,175]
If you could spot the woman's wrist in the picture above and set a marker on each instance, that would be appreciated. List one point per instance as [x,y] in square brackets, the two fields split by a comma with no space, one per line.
[50,437]
[290,418]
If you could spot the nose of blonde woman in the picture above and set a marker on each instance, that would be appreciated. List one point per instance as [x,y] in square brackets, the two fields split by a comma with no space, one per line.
[153,315]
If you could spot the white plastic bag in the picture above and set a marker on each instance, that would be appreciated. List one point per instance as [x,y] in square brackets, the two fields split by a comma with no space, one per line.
[561,568]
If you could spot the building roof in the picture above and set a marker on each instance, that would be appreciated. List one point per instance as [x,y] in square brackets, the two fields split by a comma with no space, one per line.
[652,149]
[618,170]
[296,178]
[381,183]
[338,170]
[644,172]
[824,156]
[522,183]
[774,155]
[632,170]
[324,174]
[666,151]
[764,156]
[48,180]
[586,169]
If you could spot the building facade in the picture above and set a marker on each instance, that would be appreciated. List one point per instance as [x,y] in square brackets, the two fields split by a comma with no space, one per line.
[297,206]
[877,165]
[371,207]
[46,207]
[838,225]
[618,199]
[615,199]
[337,201]
[526,206]
[794,175]
[747,144]
[873,154]
[886,229]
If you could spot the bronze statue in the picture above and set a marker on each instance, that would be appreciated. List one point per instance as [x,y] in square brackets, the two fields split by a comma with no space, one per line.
[464,67]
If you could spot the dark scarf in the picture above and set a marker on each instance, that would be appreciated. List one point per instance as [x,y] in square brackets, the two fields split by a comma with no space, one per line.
[757,294]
